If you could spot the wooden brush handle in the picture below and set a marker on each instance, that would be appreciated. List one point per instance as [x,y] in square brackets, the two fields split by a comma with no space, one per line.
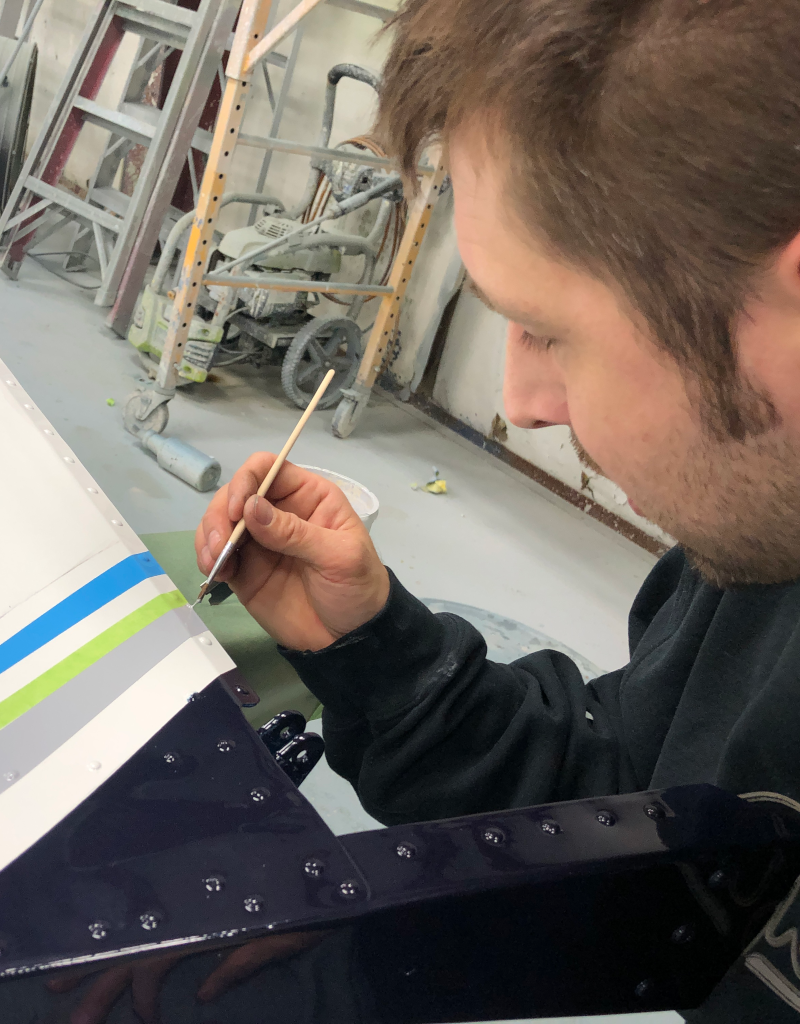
[269,479]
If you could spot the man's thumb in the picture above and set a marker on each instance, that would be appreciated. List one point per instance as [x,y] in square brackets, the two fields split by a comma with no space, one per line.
[283,532]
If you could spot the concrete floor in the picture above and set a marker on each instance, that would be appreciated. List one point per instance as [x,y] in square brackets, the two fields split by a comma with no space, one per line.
[496,540]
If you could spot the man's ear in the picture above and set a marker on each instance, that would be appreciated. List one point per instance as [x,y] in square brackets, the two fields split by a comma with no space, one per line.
[784,276]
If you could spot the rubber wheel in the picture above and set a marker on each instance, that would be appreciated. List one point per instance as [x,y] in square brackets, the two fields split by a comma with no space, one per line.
[319,346]
[157,420]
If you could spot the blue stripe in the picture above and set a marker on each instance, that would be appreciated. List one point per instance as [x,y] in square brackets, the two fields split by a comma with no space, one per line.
[77,606]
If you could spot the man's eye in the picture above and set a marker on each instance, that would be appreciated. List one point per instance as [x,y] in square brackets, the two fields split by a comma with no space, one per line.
[539,342]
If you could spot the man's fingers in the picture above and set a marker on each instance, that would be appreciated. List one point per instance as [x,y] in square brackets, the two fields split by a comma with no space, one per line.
[69,980]
[148,976]
[246,960]
[246,481]
[286,533]
[96,1004]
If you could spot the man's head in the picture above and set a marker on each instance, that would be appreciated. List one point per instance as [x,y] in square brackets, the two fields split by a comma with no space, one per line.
[627,186]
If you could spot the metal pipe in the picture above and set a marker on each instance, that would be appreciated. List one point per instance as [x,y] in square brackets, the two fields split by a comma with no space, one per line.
[287,284]
[346,206]
[185,222]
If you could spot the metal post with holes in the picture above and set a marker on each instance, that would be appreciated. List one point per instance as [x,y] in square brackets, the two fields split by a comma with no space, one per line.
[146,409]
[354,400]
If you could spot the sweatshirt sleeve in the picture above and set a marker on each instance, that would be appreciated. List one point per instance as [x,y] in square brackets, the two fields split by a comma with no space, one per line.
[424,726]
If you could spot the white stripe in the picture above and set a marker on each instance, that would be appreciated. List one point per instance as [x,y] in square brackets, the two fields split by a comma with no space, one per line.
[21,616]
[46,795]
[81,633]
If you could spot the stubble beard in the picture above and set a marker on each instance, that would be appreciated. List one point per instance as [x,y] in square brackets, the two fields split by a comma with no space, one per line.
[734,507]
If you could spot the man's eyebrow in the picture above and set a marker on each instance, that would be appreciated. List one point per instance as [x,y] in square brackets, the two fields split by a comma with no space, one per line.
[516,315]
[479,294]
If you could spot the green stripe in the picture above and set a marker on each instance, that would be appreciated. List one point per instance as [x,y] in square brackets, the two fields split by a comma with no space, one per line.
[50,681]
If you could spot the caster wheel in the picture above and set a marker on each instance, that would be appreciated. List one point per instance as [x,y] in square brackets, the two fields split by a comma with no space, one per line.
[157,420]
[319,346]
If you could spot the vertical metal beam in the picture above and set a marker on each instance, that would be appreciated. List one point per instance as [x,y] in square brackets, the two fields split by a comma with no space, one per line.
[252,21]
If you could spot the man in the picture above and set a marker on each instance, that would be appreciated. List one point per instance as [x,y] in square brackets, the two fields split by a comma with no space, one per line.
[627,192]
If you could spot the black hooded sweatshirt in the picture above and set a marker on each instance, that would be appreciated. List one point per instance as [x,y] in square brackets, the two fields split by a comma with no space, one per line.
[425,727]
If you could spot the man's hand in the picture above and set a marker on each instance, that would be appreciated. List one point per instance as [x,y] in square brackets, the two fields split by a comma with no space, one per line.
[145,977]
[308,573]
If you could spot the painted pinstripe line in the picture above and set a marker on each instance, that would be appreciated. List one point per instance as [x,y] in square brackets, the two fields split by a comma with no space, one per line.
[61,782]
[77,606]
[81,633]
[22,613]
[37,689]
[32,737]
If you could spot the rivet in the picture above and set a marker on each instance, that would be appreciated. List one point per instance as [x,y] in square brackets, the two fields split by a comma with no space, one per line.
[552,828]
[241,690]
[406,850]
[50,433]
[98,929]
[150,921]
[192,698]
[28,406]
[718,879]
[94,766]
[11,776]
[92,490]
[259,794]
[644,988]
[683,933]
[117,522]
[71,461]
[349,889]
[654,811]
[214,883]
[254,904]
[314,867]
[494,836]
[11,383]
[225,746]
[605,818]
[205,640]
[171,758]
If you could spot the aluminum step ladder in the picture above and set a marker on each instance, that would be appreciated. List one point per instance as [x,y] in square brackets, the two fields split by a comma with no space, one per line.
[38,206]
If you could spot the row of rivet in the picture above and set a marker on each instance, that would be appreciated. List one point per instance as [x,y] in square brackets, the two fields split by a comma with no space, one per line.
[67,458]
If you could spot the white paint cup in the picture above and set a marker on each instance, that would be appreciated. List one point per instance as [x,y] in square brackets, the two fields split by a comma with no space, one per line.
[364,502]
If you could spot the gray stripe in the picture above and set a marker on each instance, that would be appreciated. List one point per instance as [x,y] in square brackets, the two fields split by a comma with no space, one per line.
[29,739]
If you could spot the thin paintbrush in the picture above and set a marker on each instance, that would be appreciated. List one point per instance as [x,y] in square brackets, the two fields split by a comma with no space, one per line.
[239,529]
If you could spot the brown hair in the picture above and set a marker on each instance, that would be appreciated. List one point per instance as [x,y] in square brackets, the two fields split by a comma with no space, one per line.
[654,143]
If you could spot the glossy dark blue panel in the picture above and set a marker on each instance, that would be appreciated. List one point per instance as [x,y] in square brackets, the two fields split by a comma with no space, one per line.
[613,904]
[131,866]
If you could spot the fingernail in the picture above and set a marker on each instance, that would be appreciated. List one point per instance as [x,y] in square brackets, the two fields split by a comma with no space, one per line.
[214,540]
[206,561]
[262,511]
[205,995]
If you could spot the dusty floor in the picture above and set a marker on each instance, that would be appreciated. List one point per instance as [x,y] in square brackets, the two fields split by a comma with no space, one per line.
[496,540]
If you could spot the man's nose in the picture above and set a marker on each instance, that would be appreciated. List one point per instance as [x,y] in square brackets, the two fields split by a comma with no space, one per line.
[534,390]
